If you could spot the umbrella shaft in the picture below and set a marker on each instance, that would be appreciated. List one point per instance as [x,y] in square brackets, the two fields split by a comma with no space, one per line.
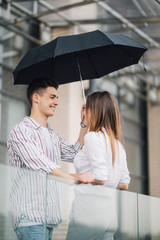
[83,92]
[84,97]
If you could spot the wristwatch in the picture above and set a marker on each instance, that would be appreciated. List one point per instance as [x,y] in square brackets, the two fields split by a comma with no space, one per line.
[83,125]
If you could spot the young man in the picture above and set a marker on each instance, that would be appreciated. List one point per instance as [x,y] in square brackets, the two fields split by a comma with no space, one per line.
[35,151]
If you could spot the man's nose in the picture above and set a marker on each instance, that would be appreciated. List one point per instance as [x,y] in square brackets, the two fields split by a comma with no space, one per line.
[56,101]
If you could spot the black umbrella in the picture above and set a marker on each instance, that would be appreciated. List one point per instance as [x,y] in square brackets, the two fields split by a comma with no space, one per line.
[75,57]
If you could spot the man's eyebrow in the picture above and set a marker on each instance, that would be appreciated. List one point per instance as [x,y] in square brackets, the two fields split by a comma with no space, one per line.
[53,95]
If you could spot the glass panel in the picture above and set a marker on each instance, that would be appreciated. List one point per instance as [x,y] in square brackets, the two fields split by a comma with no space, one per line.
[23,196]
[149,217]
[83,211]
[12,110]
[127,215]
[4,154]
[86,211]
[64,202]
[92,212]
[6,231]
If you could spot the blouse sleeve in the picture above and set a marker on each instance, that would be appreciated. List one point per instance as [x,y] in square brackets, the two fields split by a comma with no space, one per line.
[125,178]
[95,149]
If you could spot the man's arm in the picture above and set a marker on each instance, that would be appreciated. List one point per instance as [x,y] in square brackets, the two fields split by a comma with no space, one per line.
[83,130]
[87,178]
[60,173]
[68,152]
[82,133]
[83,178]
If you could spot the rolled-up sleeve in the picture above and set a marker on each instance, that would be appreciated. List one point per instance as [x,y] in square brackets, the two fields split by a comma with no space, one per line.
[22,143]
[95,148]
[68,151]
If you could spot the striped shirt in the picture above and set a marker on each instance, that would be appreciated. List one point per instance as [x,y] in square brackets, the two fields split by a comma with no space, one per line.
[32,160]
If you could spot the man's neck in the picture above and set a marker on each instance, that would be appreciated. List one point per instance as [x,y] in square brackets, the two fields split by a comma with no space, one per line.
[39,118]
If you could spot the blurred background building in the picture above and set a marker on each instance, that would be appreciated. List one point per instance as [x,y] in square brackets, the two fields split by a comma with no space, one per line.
[26,24]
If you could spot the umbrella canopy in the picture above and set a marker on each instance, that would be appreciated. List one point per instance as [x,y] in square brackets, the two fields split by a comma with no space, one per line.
[70,58]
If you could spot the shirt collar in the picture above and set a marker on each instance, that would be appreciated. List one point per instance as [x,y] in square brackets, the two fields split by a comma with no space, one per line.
[34,124]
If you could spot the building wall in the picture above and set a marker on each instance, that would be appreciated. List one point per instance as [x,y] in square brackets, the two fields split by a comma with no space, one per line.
[154,149]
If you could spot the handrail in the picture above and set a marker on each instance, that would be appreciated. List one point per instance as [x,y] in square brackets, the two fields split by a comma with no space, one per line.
[135,216]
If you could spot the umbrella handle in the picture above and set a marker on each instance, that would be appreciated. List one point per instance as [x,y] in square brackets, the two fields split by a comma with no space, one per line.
[83,92]
[82,85]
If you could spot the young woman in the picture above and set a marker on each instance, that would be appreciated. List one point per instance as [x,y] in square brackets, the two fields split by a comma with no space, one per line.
[93,214]
[103,154]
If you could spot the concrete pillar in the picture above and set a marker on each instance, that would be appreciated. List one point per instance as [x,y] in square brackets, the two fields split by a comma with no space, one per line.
[154,148]
[66,121]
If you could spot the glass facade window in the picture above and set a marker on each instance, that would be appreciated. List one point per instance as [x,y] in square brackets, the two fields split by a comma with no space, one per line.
[134,126]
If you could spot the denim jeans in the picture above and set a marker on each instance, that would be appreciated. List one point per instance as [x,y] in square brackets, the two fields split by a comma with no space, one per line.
[35,232]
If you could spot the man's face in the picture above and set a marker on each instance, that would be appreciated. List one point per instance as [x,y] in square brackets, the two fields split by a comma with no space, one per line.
[47,101]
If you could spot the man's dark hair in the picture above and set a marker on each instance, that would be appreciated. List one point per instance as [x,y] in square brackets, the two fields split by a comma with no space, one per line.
[39,84]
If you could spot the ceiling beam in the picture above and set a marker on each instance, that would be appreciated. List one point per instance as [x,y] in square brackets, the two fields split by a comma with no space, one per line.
[64,8]
[28,14]
[63,16]
[129,24]
[19,31]
[9,54]
[52,10]
[112,21]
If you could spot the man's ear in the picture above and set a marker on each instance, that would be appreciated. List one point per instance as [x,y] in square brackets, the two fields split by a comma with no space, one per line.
[35,97]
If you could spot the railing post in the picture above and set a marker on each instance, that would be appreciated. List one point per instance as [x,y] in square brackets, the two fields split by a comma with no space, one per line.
[137,219]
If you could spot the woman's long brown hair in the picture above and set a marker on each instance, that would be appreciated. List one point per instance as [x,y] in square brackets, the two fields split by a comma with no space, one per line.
[105,113]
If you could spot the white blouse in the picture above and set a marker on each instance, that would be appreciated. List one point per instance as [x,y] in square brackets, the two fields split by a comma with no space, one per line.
[96,158]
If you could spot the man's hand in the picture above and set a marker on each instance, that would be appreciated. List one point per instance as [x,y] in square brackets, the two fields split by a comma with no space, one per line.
[88,178]
[122,186]
[85,178]
[83,113]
